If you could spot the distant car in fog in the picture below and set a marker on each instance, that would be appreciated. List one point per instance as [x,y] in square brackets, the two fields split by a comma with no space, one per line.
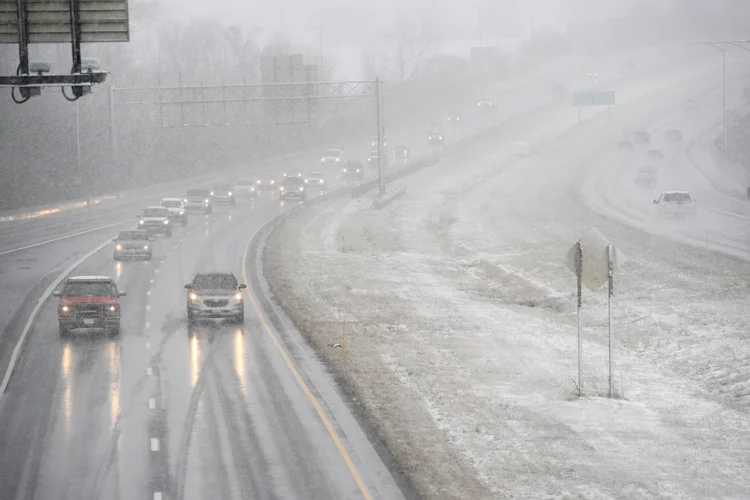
[454,120]
[372,159]
[593,77]
[374,142]
[316,179]
[331,156]
[267,183]
[486,104]
[246,188]
[177,212]
[401,153]
[646,176]
[155,220]
[642,137]
[673,135]
[655,154]
[292,187]
[222,193]
[626,144]
[676,204]
[133,244]
[353,169]
[199,200]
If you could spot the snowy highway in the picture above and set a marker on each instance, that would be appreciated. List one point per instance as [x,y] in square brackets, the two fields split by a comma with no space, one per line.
[211,411]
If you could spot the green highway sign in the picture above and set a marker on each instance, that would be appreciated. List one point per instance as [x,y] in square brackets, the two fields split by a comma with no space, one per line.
[594,98]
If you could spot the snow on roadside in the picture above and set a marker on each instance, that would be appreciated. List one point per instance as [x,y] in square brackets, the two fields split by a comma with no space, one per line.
[462,332]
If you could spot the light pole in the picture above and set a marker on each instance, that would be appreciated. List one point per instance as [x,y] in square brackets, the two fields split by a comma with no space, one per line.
[723,91]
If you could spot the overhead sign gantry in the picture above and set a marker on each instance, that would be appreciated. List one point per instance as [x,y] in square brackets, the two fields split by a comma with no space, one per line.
[24,22]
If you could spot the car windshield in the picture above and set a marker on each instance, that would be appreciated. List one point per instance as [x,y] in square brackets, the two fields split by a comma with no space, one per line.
[222,187]
[332,152]
[245,183]
[315,175]
[202,193]
[171,203]
[677,197]
[215,282]
[293,181]
[155,212]
[89,289]
[133,236]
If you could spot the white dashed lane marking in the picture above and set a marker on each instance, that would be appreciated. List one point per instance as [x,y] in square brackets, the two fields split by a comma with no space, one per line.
[148,308]
[152,281]
[148,324]
[157,495]
[149,371]
[148,293]
[152,404]
[154,444]
[148,345]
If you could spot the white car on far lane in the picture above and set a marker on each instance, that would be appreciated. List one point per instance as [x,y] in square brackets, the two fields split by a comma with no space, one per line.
[676,204]
[331,156]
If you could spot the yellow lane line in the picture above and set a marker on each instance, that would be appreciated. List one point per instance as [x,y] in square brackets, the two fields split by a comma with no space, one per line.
[301,382]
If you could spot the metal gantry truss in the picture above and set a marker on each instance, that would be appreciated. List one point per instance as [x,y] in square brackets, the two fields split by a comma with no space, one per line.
[279,100]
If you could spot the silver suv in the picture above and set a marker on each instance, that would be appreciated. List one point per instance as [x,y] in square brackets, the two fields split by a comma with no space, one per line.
[215,295]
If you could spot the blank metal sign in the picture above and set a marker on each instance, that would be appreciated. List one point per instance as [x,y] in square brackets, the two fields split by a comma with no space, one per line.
[49,21]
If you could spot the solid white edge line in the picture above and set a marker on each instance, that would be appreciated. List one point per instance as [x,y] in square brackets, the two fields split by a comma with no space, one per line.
[47,242]
[35,311]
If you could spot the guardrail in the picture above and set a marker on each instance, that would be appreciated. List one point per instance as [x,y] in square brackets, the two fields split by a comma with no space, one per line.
[382,201]
[424,162]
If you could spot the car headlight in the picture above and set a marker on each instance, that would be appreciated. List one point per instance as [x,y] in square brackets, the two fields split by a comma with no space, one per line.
[182,212]
[112,310]
[238,296]
[166,221]
[322,181]
[301,188]
[141,222]
[357,170]
[65,308]
[185,200]
[145,247]
[206,201]
[273,182]
[344,170]
[229,193]
[118,247]
[306,181]
[338,160]
[194,296]
[212,193]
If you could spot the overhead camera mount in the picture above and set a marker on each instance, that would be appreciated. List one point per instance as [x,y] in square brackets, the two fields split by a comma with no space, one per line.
[76,22]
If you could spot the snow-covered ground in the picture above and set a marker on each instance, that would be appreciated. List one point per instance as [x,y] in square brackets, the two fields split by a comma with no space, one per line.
[461,331]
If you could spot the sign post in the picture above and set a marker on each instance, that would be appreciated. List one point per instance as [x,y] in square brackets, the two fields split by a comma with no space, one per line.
[593,260]
[593,98]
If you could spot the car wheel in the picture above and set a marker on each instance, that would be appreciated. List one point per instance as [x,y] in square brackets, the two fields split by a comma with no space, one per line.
[240,318]
[148,257]
[209,211]
[63,330]
[190,317]
[115,330]
[117,257]
[169,234]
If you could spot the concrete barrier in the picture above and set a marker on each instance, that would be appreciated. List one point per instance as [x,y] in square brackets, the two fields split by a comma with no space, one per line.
[382,201]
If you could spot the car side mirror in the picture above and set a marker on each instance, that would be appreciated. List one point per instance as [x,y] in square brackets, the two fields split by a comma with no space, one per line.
[114,239]
[188,286]
[122,294]
[56,293]
[656,202]
[242,285]
[151,238]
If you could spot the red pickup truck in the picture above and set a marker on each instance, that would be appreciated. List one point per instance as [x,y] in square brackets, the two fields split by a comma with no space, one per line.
[89,302]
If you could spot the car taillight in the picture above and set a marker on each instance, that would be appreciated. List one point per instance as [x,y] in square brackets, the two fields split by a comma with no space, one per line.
[112,310]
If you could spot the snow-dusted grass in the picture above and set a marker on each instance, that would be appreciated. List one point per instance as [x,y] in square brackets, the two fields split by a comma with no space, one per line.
[462,335]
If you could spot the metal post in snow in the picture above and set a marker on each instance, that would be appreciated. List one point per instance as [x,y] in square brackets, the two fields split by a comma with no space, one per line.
[610,291]
[113,139]
[579,272]
[379,105]
[724,98]
[78,153]
[579,115]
